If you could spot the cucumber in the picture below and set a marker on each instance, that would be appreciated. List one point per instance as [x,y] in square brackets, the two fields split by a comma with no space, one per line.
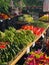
[15,48]
[3,56]
[11,51]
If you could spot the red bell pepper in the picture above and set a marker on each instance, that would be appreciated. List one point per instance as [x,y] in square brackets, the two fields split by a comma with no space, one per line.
[2,46]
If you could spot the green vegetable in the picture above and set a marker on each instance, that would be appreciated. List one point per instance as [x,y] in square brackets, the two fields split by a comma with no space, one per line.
[4,6]
[17,41]
[2,35]
[39,24]
[9,36]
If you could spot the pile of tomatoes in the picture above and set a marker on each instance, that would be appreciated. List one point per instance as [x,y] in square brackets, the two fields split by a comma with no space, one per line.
[35,30]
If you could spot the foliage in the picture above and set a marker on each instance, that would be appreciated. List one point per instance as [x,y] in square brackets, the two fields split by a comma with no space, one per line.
[4,6]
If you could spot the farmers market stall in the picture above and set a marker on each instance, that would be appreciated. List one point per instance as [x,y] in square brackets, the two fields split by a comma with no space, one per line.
[22,32]
[25,49]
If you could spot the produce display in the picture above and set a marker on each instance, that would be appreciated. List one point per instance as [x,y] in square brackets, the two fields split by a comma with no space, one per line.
[30,20]
[37,58]
[35,30]
[12,42]
[26,18]
[37,27]
[41,24]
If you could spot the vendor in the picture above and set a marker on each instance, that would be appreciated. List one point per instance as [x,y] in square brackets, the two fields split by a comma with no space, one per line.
[46,11]
[46,6]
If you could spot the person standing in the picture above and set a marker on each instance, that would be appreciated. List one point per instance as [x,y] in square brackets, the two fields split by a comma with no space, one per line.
[45,5]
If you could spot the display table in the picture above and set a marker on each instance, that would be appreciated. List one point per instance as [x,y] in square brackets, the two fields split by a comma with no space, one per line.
[26,49]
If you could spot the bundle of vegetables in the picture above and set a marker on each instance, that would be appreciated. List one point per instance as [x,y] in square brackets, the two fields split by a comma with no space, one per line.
[37,58]
[12,41]
[26,18]
[35,30]
[39,24]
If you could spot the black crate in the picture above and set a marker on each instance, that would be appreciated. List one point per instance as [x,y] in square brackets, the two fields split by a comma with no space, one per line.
[2,25]
[13,22]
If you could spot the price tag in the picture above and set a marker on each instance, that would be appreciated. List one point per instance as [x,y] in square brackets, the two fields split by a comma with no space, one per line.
[33,44]
[9,18]
[1,20]
[28,50]
[42,35]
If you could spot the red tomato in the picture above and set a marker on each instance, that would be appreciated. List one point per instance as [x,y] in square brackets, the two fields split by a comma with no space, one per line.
[28,27]
[31,27]
[35,30]
[42,29]
[24,27]
[38,32]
